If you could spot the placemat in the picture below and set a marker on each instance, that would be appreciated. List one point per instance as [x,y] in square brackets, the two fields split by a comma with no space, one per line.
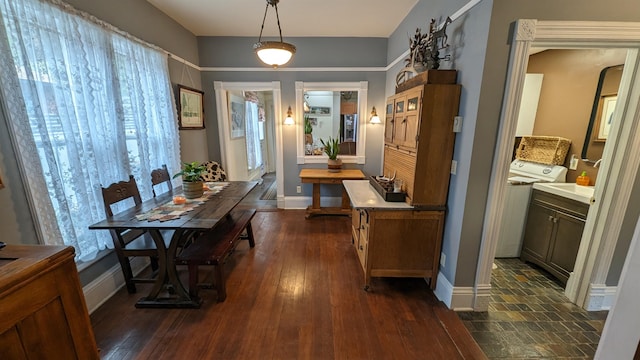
[171,211]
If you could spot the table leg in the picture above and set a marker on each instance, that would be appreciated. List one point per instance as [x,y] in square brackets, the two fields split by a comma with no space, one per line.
[167,275]
[316,196]
[346,203]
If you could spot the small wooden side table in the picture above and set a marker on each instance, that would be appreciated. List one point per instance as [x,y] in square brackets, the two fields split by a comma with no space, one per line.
[323,176]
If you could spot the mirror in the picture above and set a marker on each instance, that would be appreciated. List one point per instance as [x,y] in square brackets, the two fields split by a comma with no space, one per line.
[330,114]
[601,112]
[331,110]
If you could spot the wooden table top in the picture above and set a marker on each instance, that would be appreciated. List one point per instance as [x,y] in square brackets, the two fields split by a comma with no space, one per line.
[344,174]
[204,217]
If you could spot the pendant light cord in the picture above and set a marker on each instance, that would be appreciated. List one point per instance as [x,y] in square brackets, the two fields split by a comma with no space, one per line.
[266,9]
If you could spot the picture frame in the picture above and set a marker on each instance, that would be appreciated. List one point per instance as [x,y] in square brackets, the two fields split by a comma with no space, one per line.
[605,117]
[313,121]
[236,117]
[190,108]
[320,110]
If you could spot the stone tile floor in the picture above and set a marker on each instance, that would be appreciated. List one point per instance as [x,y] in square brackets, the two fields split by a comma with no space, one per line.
[529,317]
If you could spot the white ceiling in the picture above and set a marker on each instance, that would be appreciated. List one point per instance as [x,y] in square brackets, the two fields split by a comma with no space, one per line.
[322,18]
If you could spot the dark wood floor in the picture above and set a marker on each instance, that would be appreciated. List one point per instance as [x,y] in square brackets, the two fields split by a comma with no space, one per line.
[297,295]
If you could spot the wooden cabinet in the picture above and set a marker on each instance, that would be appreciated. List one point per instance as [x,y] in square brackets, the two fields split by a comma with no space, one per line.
[43,314]
[348,108]
[553,232]
[398,243]
[419,140]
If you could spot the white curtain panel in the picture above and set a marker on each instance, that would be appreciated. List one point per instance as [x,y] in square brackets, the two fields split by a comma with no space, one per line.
[87,106]
[254,153]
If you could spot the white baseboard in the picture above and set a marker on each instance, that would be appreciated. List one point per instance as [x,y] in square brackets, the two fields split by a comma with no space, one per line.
[301,202]
[601,297]
[482,298]
[456,298]
[104,286]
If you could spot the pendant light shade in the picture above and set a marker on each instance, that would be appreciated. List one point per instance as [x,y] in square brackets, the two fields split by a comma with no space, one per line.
[273,53]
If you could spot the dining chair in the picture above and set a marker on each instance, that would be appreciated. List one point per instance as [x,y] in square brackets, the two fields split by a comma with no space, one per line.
[213,172]
[159,176]
[129,242]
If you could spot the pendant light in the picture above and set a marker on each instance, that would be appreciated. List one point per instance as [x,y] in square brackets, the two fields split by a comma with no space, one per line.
[273,53]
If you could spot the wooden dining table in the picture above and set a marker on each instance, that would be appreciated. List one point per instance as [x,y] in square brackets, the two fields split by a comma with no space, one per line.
[168,290]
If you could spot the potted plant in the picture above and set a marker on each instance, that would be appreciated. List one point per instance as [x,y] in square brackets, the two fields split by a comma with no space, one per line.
[308,129]
[331,148]
[191,182]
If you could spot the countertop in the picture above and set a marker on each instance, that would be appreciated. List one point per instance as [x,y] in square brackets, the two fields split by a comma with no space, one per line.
[363,195]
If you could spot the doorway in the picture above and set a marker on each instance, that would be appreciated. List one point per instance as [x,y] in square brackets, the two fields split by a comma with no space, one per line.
[615,182]
[249,132]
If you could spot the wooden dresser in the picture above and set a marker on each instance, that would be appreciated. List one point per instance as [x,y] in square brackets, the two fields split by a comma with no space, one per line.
[43,314]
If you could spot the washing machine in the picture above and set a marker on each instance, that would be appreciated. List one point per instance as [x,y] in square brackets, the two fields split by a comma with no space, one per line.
[522,175]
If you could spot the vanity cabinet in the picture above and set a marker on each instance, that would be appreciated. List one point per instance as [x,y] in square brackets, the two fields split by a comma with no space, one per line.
[553,232]
[419,140]
[398,243]
[43,314]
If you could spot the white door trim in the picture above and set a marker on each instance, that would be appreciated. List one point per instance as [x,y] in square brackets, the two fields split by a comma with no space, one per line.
[224,133]
[614,181]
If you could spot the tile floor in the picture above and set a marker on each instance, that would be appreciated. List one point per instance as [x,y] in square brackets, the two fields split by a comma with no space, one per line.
[530,318]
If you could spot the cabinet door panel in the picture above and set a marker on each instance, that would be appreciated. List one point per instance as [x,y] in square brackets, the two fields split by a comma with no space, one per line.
[389,122]
[538,232]
[564,248]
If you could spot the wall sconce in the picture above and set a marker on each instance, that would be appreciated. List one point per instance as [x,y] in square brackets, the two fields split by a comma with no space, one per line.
[375,119]
[289,119]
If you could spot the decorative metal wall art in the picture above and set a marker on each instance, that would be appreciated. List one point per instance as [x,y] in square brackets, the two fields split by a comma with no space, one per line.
[424,51]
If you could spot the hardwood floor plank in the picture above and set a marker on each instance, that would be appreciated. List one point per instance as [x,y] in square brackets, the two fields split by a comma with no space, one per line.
[297,295]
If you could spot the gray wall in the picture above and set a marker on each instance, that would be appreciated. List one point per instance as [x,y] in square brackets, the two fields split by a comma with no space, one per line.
[139,18]
[237,52]
[480,55]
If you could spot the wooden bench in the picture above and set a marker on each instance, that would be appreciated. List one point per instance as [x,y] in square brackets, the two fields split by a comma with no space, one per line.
[214,247]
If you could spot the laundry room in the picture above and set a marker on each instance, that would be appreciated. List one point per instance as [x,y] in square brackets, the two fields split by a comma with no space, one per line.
[567,100]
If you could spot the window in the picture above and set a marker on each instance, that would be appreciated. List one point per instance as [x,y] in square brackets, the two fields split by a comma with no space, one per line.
[93,106]
[336,110]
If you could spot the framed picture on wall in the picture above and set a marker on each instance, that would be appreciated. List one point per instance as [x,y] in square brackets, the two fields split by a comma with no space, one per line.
[320,110]
[608,104]
[191,108]
[236,116]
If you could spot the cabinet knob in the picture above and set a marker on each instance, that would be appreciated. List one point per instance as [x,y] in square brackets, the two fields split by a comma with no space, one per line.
[550,218]
[361,248]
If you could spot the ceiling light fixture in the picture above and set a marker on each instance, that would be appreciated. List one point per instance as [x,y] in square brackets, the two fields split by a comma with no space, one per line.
[273,53]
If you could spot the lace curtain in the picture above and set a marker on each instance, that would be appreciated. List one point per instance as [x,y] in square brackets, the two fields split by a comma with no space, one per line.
[87,106]
[254,153]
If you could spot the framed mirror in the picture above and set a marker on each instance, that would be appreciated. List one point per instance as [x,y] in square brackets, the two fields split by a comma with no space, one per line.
[336,110]
[601,112]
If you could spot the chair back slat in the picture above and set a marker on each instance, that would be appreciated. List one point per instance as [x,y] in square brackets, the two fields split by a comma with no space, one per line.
[120,191]
[159,176]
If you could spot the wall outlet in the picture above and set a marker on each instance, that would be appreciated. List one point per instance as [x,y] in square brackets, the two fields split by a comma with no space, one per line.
[454,167]
[457,124]
[573,164]
[298,189]
[443,259]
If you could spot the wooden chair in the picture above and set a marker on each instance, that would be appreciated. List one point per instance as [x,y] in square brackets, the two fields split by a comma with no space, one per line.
[129,242]
[159,176]
[213,172]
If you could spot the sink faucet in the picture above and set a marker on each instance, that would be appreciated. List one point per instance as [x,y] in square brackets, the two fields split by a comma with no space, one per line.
[597,163]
